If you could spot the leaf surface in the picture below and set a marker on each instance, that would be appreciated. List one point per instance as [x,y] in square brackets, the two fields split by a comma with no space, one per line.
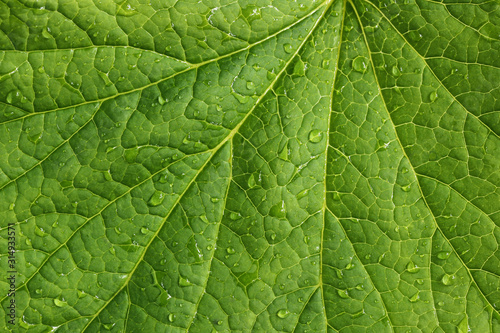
[183,166]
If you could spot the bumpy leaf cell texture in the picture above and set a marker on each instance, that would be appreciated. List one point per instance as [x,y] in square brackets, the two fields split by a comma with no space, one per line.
[251,166]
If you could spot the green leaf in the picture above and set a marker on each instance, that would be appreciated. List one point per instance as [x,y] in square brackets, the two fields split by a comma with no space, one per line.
[264,166]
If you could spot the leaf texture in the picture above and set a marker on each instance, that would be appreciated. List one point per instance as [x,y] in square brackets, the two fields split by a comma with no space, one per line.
[251,166]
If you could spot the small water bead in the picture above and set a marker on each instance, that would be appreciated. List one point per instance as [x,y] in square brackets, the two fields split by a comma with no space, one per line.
[11,206]
[250,85]
[441,303]
[349,266]
[230,250]
[161,100]
[359,64]
[171,317]
[209,248]
[336,196]
[359,287]
[447,280]
[420,281]
[288,48]
[315,136]
[144,230]
[283,313]
[443,255]
[404,170]
[46,33]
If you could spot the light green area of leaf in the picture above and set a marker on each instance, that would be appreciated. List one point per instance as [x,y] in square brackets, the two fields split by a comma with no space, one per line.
[251,166]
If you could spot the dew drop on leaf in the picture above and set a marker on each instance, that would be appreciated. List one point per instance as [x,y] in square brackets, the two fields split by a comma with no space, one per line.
[59,303]
[161,100]
[315,136]
[447,280]
[184,282]
[433,96]
[359,64]
[156,199]
[283,313]
[288,48]
[234,216]
[415,298]
[395,71]
[171,317]
[343,293]
[443,255]
[230,250]
[412,268]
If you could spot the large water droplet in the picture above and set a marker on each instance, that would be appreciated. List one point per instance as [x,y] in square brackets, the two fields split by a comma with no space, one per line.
[171,317]
[278,210]
[230,250]
[283,313]
[415,298]
[161,100]
[343,293]
[59,303]
[359,64]
[443,255]
[395,71]
[433,96]
[234,216]
[288,48]
[184,282]
[412,268]
[447,280]
[315,136]
[156,199]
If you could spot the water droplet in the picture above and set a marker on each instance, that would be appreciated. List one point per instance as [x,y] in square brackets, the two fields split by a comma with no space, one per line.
[404,170]
[395,71]
[230,250]
[359,64]
[349,266]
[112,250]
[108,327]
[415,298]
[126,10]
[273,236]
[38,291]
[156,199]
[250,85]
[343,293]
[368,256]
[302,194]
[161,100]
[45,33]
[163,261]
[412,268]
[283,313]
[28,241]
[288,48]
[443,255]
[234,216]
[144,230]
[209,248]
[406,188]
[315,136]
[420,281]
[184,282]
[433,96]
[251,181]
[59,303]
[359,287]
[447,280]
[40,232]
[171,317]
[441,303]
[278,210]
[336,196]
[325,63]
[11,206]
[81,294]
